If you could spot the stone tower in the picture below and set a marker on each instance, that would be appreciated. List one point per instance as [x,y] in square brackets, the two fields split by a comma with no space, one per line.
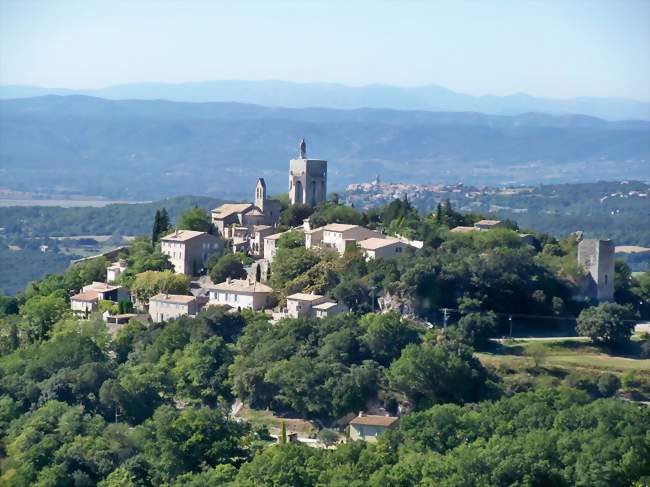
[260,194]
[597,258]
[307,179]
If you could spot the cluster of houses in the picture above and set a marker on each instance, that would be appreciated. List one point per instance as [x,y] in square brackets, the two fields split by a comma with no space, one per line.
[251,228]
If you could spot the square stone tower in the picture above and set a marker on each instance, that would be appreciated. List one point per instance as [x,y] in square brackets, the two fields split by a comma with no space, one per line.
[597,258]
[307,179]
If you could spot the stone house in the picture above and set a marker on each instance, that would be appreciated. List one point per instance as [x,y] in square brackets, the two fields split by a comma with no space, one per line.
[164,307]
[240,293]
[375,248]
[188,249]
[256,242]
[263,211]
[368,427]
[271,246]
[489,224]
[312,305]
[114,271]
[87,301]
[339,236]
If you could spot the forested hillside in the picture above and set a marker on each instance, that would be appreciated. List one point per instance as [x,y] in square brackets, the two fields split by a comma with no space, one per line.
[156,403]
[152,149]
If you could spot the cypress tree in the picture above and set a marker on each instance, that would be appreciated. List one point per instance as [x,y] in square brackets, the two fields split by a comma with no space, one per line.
[155,232]
[258,273]
[283,434]
[164,220]
[439,213]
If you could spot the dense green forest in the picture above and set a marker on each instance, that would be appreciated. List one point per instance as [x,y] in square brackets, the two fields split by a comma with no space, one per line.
[151,405]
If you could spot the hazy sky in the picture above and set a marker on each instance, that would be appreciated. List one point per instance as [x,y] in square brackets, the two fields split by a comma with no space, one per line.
[547,48]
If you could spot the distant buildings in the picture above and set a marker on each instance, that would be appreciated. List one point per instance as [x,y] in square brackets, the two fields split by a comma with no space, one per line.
[489,224]
[164,307]
[188,249]
[367,427]
[597,258]
[480,225]
[240,293]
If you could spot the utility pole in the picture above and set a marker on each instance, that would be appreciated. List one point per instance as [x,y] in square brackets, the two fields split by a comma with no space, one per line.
[444,319]
[510,320]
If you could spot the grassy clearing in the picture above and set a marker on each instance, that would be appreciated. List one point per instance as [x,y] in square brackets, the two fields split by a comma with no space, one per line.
[274,423]
[566,354]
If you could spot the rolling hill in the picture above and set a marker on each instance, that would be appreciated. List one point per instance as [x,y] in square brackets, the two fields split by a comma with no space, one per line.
[143,149]
[332,95]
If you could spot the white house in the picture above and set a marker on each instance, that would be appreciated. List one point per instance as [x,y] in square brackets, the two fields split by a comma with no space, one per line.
[240,293]
[375,248]
[339,236]
[367,427]
[114,271]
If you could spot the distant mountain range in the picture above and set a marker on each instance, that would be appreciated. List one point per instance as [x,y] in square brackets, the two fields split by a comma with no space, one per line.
[331,95]
[153,149]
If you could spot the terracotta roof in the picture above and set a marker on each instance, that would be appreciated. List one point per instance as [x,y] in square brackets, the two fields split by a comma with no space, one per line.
[370,420]
[275,236]
[305,297]
[173,298]
[255,212]
[230,209]
[462,229]
[183,235]
[243,285]
[339,227]
[259,228]
[630,249]
[85,296]
[326,306]
[375,243]
[488,222]
[100,287]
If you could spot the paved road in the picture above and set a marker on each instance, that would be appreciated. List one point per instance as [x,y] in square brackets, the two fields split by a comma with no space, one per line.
[539,339]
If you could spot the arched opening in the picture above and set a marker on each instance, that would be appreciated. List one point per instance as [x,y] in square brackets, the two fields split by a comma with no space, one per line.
[298,193]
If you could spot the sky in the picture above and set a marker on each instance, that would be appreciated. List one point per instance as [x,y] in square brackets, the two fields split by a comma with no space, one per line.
[552,48]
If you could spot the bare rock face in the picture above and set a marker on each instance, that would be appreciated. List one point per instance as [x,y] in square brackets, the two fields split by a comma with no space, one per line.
[392,302]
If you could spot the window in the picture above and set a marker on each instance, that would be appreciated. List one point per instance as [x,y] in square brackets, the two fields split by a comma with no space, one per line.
[398,249]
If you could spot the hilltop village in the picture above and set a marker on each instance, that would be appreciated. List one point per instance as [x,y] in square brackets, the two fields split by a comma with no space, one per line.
[298,337]
[252,230]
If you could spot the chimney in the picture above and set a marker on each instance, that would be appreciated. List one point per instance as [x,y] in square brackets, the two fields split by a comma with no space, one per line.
[176,233]
[227,280]
[306,225]
[361,414]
